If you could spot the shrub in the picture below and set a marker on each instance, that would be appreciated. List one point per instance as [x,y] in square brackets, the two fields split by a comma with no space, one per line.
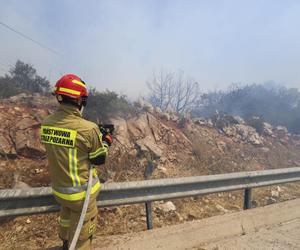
[22,78]
[102,105]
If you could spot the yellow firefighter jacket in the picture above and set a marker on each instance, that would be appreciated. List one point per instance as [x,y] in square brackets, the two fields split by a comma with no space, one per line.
[71,144]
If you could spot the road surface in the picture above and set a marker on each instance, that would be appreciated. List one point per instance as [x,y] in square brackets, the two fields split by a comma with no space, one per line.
[275,226]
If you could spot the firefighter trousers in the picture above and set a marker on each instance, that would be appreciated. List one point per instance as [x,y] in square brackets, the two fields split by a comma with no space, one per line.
[69,216]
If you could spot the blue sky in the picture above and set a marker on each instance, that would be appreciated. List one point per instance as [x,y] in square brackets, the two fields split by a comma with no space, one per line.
[117,45]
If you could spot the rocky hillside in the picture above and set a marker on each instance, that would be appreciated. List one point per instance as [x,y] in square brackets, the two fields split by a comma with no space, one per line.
[22,156]
[177,146]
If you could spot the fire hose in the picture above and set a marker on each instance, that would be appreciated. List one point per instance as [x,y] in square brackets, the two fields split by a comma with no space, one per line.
[84,209]
[109,128]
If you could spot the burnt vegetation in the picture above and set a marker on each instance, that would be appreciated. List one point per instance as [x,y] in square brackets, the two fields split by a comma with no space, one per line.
[173,91]
[269,102]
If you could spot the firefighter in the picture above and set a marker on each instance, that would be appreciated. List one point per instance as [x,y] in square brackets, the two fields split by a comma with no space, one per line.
[73,145]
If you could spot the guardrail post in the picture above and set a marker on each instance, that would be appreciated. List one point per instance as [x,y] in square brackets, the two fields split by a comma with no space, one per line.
[149,215]
[247,198]
[147,174]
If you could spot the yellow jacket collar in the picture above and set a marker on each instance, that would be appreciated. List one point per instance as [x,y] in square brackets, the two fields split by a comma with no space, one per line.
[70,109]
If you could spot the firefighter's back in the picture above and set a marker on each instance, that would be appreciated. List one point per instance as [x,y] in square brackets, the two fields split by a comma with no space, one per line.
[68,142]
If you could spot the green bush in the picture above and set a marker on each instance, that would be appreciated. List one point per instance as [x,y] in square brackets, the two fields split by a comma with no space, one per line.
[102,105]
[8,88]
[22,78]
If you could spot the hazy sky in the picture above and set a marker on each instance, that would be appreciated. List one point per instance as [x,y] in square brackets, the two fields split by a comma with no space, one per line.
[117,45]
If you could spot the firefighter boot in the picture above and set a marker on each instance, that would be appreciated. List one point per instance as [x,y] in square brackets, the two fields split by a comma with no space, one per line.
[65,245]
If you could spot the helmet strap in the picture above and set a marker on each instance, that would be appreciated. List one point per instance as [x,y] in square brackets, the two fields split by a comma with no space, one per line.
[71,101]
[81,110]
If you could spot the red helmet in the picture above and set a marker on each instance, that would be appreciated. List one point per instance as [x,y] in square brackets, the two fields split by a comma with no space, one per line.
[70,85]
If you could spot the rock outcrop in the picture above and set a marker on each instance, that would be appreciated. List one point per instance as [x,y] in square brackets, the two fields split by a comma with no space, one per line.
[20,118]
[243,133]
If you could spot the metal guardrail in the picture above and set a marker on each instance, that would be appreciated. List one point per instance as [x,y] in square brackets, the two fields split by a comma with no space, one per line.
[15,202]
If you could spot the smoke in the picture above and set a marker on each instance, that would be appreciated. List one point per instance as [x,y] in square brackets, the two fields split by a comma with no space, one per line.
[117,45]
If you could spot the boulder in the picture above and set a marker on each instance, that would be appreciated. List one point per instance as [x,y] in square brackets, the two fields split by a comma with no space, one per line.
[121,132]
[282,129]
[244,133]
[230,131]
[209,123]
[156,128]
[255,139]
[6,146]
[18,184]
[200,121]
[148,107]
[192,215]
[26,123]
[222,209]
[139,126]
[157,110]
[275,193]
[267,129]
[147,145]
[270,200]
[166,207]
[40,114]
[239,119]
[28,143]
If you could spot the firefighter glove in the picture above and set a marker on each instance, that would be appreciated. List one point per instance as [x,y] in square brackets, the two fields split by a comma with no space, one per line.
[108,139]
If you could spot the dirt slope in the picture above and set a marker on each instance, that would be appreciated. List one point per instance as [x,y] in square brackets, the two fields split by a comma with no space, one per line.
[177,146]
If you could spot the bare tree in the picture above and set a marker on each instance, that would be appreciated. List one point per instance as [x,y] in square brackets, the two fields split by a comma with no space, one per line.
[173,91]
[186,93]
[161,90]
